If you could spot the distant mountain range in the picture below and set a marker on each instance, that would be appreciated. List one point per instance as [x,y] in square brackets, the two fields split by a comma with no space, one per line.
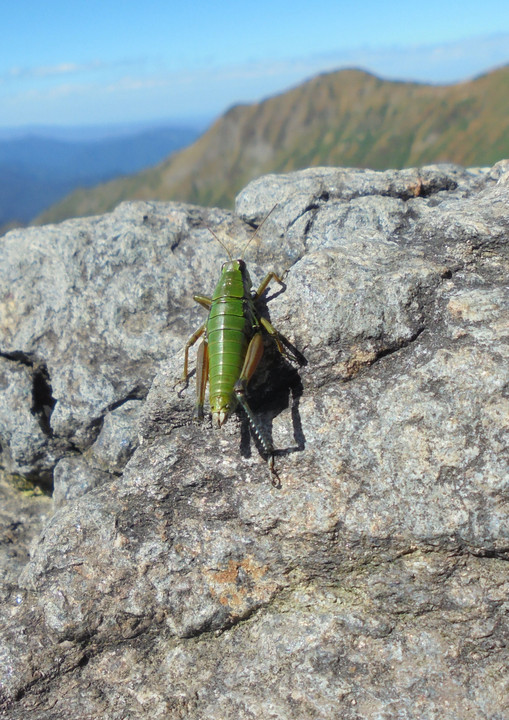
[344,118]
[37,170]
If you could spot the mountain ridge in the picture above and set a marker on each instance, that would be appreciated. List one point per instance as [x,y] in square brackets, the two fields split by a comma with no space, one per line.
[344,118]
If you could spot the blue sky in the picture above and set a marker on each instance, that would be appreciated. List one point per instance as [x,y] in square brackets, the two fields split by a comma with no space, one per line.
[86,62]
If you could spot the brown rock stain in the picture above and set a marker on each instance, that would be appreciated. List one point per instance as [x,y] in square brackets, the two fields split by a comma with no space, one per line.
[239,583]
[358,360]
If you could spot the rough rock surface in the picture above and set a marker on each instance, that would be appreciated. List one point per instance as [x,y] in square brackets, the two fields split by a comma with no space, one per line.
[171,579]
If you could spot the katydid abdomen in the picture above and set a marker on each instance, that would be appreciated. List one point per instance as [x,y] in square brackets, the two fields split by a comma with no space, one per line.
[228,334]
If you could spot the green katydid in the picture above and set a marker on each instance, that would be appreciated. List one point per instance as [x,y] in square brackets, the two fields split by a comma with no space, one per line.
[232,344]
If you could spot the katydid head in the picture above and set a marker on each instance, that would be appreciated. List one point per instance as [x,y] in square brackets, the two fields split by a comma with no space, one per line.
[235,276]
[235,265]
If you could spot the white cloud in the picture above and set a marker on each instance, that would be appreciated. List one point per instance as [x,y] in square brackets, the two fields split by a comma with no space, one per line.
[22,73]
[445,63]
[65,69]
[142,89]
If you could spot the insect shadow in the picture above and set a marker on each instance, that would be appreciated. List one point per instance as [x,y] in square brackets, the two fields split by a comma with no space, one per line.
[275,386]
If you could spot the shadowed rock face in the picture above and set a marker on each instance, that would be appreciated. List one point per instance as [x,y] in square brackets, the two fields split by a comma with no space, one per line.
[167,577]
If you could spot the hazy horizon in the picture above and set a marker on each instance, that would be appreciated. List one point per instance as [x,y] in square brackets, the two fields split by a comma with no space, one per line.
[101,130]
[162,63]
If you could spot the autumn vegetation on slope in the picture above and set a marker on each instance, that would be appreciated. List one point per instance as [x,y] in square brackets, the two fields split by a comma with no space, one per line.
[345,118]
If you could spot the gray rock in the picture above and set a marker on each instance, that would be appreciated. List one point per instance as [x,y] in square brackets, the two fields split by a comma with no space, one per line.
[173,579]
[75,476]
[118,438]
[24,509]
[24,446]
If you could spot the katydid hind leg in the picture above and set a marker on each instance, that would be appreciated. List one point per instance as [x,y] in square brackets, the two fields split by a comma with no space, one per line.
[185,372]
[194,337]
[202,375]
[253,356]
[251,361]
